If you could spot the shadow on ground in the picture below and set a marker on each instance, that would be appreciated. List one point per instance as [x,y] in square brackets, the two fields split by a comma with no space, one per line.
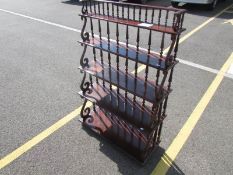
[128,165]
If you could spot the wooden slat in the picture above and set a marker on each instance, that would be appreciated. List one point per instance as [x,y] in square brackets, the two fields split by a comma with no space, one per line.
[110,74]
[110,125]
[154,60]
[138,115]
[135,141]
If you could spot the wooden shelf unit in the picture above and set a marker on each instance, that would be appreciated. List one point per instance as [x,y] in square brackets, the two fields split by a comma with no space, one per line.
[128,108]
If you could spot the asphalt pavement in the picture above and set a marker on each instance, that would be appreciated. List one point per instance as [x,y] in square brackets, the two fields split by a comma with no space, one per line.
[39,84]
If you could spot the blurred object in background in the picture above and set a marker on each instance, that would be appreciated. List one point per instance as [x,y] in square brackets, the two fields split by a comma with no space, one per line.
[210,4]
[135,1]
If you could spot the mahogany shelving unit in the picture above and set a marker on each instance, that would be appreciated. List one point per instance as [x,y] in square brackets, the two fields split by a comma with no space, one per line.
[128,108]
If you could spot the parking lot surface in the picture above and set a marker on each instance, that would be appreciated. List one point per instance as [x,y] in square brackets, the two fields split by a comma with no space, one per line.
[39,103]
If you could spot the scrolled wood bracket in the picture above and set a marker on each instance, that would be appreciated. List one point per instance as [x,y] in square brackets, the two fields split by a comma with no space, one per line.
[85,111]
[84,62]
[85,85]
[84,35]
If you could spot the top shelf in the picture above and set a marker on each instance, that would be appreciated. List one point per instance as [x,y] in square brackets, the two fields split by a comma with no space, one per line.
[162,19]
[145,25]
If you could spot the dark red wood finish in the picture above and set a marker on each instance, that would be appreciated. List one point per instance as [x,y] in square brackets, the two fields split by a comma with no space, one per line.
[128,108]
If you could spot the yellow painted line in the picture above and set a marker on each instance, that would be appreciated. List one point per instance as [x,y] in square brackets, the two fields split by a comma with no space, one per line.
[179,141]
[203,24]
[37,139]
[229,21]
[185,37]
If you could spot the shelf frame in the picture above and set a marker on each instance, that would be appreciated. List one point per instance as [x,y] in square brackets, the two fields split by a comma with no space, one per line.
[120,98]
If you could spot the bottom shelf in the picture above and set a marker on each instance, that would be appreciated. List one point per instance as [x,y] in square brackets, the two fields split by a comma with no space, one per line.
[135,141]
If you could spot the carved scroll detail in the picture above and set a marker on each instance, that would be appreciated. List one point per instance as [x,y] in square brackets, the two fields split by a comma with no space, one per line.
[84,35]
[84,62]
[85,111]
[85,86]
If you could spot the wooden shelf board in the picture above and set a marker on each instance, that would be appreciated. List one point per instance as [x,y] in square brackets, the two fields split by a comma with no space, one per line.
[138,115]
[152,60]
[137,86]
